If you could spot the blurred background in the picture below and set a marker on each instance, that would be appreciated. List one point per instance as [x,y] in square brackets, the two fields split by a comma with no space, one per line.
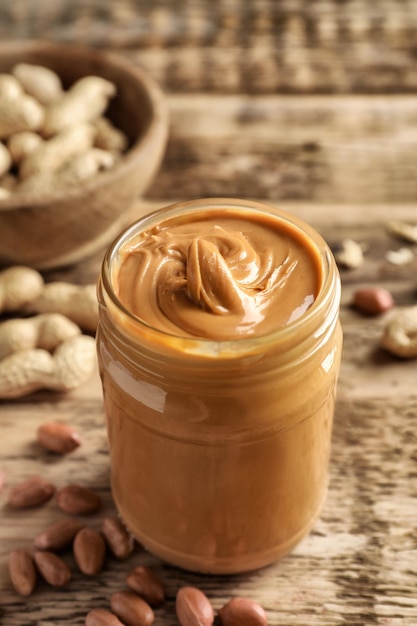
[291,100]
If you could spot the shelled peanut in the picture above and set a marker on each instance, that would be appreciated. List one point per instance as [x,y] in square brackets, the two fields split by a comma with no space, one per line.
[145,593]
[70,544]
[53,138]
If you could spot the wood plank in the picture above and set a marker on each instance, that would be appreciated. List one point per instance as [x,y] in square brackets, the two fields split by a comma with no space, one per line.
[239,46]
[350,149]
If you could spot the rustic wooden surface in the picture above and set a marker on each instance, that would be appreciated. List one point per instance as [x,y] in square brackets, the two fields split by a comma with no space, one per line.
[311,106]
[358,566]
[245,65]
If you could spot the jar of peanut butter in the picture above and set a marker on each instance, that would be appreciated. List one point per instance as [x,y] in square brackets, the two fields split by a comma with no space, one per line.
[219,347]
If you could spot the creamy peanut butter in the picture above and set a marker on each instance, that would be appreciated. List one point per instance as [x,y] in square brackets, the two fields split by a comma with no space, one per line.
[218,276]
[219,348]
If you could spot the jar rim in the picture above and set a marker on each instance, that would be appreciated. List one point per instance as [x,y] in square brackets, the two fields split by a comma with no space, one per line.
[246,343]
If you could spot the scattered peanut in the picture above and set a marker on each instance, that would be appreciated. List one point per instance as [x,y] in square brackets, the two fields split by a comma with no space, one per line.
[372,300]
[22,572]
[77,302]
[89,551]
[404,230]
[22,289]
[400,333]
[52,568]
[30,493]
[78,500]
[57,535]
[131,609]
[71,364]
[143,581]
[44,331]
[18,286]
[118,539]
[242,612]
[402,256]
[350,254]
[101,617]
[146,590]
[193,608]
[58,437]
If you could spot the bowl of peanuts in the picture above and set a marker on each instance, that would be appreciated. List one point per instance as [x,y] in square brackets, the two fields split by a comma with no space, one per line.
[82,135]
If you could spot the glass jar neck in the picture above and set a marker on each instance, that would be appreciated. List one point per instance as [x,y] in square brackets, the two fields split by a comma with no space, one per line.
[288,344]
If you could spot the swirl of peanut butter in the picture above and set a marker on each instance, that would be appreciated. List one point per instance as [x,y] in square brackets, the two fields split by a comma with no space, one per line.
[218,279]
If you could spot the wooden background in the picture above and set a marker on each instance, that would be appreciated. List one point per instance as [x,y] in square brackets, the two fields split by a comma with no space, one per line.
[313,107]
[235,71]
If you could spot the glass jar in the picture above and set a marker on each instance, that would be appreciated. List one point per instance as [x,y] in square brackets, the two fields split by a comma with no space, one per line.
[219,450]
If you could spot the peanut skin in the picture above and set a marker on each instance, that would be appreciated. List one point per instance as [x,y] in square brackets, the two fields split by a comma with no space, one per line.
[57,535]
[193,608]
[372,300]
[22,572]
[32,492]
[117,538]
[147,584]
[131,609]
[101,617]
[52,568]
[242,612]
[89,551]
[57,437]
[78,500]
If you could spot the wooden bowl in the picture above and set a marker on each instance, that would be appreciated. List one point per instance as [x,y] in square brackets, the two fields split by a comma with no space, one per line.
[54,230]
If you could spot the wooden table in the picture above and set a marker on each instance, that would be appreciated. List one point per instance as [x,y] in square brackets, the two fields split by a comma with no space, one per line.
[358,566]
[337,147]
